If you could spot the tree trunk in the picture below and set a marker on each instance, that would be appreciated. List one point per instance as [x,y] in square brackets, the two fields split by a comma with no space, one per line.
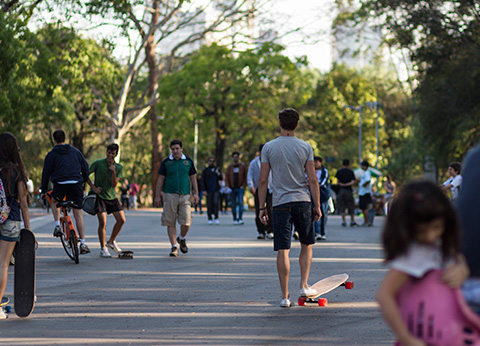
[220,140]
[152,89]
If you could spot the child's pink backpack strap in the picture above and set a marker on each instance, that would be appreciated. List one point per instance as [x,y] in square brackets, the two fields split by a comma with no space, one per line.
[437,313]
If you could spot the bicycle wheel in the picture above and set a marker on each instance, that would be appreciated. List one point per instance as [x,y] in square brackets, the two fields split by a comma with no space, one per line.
[67,244]
[74,245]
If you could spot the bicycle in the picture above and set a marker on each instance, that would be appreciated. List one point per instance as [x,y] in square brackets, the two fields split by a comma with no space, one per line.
[69,237]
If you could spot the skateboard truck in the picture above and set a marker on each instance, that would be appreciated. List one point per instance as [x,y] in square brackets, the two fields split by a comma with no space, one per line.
[125,254]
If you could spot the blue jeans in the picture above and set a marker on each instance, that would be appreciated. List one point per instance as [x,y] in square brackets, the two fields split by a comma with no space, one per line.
[236,198]
[320,224]
[298,214]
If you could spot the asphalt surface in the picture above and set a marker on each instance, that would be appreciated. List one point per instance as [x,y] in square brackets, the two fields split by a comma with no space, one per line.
[225,291]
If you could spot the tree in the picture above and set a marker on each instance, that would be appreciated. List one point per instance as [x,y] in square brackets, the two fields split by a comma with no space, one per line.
[236,96]
[443,38]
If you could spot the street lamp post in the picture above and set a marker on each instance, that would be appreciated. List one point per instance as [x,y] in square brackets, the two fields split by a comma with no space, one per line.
[375,105]
[359,109]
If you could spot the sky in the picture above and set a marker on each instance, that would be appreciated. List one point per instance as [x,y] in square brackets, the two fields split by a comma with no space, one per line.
[316,17]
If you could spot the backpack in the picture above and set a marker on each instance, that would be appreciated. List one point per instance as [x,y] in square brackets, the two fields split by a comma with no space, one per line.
[4,208]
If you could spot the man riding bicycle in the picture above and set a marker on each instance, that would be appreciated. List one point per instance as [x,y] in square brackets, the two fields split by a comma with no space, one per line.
[67,168]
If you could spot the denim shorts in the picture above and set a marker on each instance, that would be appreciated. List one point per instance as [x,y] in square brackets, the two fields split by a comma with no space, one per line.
[298,214]
[10,230]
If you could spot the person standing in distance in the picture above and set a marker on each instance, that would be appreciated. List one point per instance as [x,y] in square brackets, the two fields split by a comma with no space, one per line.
[253,175]
[365,195]
[68,170]
[345,200]
[107,175]
[288,158]
[237,180]
[176,180]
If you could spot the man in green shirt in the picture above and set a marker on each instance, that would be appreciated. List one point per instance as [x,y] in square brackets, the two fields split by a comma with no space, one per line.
[107,175]
[177,177]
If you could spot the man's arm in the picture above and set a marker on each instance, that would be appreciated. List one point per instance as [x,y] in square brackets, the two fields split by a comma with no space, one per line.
[262,192]
[193,182]
[250,177]
[314,189]
[159,190]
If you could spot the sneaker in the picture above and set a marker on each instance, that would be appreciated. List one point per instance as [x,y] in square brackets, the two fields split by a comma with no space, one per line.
[285,303]
[353,224]
[370,225]
[84,249]
[235,222]
[295,235]
[344,224]
[104,253]
[57,232]
[240,222]
[261,236]
[183,245]
[3,315]
[217,222]
[321,237]
[269,235]
[210,222]
[113,245]
[308,292]
[174,252]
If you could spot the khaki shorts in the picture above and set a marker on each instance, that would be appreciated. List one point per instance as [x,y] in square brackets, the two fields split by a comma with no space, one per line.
[176,207]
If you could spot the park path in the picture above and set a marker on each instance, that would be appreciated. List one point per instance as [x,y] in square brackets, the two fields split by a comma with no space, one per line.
[223,292]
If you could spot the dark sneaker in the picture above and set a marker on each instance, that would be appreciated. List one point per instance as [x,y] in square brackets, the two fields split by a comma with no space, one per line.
[344,224]
[174,252]
[57,232]
[261,236]
[84,249]
[183,245]
[353,224]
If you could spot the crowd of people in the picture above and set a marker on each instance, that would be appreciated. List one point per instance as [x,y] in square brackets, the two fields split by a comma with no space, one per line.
[292,193]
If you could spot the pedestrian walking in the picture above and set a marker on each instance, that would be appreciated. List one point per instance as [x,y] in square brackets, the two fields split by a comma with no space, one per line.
[176,181]
[211,177]
[288,157]
[13,193]
[107,175]
[322,176]
[237,180]
[421,233]
[390,189]
[253,175]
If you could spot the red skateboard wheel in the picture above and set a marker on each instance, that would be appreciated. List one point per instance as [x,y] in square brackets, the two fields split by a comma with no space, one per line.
[322,301]
[301,301]
[349,285]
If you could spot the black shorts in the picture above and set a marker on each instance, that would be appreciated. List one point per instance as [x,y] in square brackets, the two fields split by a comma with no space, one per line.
[364,201]
[107,206]
[72,192]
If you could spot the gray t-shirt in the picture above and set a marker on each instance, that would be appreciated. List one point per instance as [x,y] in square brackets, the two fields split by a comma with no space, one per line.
[287,157]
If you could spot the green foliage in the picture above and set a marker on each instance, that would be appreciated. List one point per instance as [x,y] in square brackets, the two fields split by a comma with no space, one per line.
[235,96]
[443,38]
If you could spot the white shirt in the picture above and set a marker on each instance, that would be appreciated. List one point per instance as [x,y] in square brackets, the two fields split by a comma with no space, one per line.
[363,190]
[456,182]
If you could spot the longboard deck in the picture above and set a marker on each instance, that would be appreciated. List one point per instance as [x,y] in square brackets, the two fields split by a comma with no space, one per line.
[324,286]
[24,277]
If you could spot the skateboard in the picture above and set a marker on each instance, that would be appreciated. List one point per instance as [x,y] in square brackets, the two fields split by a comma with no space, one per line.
[24,277]
[436,313]
[4,306]
[125,254]
[324,286]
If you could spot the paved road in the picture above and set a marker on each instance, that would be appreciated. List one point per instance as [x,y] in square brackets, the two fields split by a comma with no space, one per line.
[223,292]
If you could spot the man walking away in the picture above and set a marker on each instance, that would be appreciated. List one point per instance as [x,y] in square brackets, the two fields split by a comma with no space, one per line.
[288,158]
